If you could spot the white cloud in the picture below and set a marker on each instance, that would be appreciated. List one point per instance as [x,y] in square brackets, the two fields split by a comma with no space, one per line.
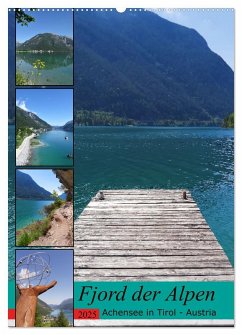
[22,104]
[25,274]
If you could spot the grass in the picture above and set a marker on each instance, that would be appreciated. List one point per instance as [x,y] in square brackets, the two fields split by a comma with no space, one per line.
[21,133]
[21,79]
[40,228]
[32,77]
[33,232]
[35,142]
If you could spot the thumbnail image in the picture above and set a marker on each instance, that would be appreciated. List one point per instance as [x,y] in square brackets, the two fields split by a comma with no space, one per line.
[44,127]
[44,292]
[44,207]
[44,47]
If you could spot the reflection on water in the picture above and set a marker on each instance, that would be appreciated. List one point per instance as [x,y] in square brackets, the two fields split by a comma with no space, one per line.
[51,60]
[58,67]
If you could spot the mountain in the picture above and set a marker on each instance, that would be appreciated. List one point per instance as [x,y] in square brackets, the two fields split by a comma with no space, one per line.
[46,42]
[29,120]
[140,66]
[43,307]
[68,126]
[27,188]
[65,304]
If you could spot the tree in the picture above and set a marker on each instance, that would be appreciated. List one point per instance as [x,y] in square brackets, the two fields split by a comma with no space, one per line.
[23,18]
[57,200]
[60,321]
[38,318]
[229,121]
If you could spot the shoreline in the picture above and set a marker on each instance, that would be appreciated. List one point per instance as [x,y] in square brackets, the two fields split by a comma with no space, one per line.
[24,150]
[40,144]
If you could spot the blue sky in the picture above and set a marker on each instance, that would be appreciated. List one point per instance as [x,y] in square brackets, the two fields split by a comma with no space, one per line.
[44,178]
[54,106]
[217,27]
[60,23]
[61,262]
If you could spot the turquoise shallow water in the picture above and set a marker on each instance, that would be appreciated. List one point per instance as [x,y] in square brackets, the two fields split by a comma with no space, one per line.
[28,211]
[199,159]
[54,150]
[58,68]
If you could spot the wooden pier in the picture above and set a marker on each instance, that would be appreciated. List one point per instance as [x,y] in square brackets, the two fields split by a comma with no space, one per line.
[147,235]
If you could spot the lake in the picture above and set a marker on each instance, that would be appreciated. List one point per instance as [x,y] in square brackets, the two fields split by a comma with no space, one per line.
[28,211]
[54,149]
[198,159]
[58,68]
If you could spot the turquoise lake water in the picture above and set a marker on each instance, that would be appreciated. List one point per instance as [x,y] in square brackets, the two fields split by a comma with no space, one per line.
[200,159]
[28,211]
[58,68]
[54,150]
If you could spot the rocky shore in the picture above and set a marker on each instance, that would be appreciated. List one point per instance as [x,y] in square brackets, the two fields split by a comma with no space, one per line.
[61,228]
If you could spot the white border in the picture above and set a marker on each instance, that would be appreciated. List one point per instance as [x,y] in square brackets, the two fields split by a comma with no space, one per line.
[155,322]
[4,5]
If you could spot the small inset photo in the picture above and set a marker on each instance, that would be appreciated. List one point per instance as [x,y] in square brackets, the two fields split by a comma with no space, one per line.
[44,207]
[44,292]
[44,127]
[44,47]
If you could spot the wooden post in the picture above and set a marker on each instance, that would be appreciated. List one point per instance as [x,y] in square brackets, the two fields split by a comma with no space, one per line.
[101,196]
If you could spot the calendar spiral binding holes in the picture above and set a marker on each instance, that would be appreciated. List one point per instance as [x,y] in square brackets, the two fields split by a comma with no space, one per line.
[155,10]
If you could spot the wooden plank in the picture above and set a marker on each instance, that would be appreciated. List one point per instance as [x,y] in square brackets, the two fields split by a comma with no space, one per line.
[149,252]
[93,277]
[151,262]
[159,216]
[146,227]
[151,237]
[154,272]
[146,230]
[149,211]
[133,230]
[142,201]
[147,245]
[158,205]
[133,221]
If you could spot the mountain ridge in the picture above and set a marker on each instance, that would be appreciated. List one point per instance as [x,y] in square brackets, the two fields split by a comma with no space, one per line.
[27,188]
[30,120]
[65,304]
[47,42]
[68,126]
[143,67]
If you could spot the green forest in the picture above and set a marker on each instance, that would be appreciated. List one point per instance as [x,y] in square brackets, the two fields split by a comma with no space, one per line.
[229,121]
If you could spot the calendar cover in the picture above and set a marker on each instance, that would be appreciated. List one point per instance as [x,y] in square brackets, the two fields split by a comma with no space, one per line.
[121,155]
